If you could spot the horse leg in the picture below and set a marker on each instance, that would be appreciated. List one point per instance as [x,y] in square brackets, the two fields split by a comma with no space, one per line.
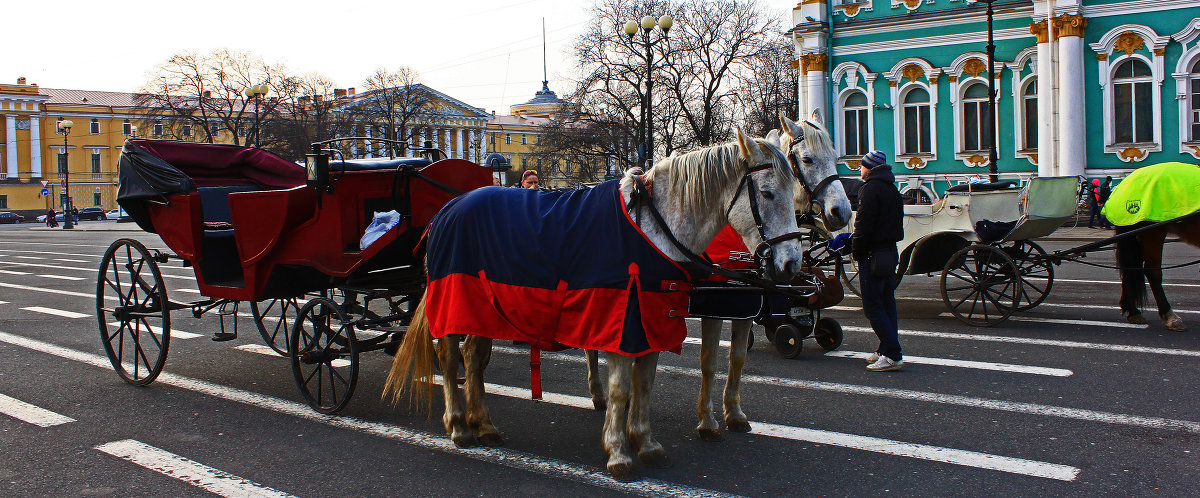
[641,437]
[710,337]
[454,419]
[735,419]
[1152,248]
[616,440]
[477,351]
[595,387]
[1131,266]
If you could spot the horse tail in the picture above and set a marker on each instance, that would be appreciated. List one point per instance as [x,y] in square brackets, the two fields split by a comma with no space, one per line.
[1131,262]
[412,368]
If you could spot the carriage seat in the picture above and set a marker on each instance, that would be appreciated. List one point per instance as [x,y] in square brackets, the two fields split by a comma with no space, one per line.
[983,187]
[378,163]
[214,203]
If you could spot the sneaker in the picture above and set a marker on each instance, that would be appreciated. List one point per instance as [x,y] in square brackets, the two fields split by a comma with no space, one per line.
[885,364]
[873,358]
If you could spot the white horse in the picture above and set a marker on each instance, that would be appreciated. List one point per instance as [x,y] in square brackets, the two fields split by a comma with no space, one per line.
[696,194]
[812,156]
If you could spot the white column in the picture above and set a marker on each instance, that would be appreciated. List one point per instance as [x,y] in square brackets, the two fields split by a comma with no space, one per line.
[1072,152]
[370,146]
[816,95]
[463,146]
[445,138]
[35,146]
[484,144]
[1047,110]
[10,127]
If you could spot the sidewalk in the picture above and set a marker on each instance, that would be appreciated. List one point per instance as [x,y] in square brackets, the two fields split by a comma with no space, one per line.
[93,226]
[1080,233]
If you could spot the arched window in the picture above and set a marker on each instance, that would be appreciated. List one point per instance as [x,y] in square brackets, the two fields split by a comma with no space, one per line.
[1029,115]
[855,125]
[974,118]
[1132,104]
[917,137]
[1194,96]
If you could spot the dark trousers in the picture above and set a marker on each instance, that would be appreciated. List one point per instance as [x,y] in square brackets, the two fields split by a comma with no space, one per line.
[879,305]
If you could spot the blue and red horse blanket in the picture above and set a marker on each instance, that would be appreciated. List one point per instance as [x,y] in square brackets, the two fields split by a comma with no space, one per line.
[554,269]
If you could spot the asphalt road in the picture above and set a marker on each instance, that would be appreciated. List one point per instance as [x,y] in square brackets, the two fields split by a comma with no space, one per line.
[1063,400]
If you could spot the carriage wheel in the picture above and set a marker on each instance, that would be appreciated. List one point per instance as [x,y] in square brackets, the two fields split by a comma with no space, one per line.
[788,341]
[130,291]
[1037,272]
[981,285]
[828,334]
[282,312]
[324,353]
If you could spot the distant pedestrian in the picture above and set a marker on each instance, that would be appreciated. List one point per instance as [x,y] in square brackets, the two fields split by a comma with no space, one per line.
[529,179]
[1102,195]
[50,221]
[878,226]
[1093,200]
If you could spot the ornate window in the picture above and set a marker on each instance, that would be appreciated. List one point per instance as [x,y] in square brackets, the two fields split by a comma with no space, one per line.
[1132,104]
[976,133]
[1187,88]
[94,127]
[95,163]
[1029,116]
[126,128]
[1194,107]
[917,133]
[856,128]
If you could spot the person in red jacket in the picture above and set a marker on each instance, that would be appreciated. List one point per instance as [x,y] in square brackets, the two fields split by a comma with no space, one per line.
[878,226]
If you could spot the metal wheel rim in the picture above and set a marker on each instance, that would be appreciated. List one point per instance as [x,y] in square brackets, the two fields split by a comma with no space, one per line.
[1037,272]
[988,282]
[137,346]
[321,329]
[282,312]
[788,341]
[828,334]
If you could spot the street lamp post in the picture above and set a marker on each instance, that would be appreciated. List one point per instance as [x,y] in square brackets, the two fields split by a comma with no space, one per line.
[646,130]
[255,92]
[64,128]
[993,171]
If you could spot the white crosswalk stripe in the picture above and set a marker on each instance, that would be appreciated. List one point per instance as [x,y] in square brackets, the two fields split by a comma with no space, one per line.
[175,333]
[202,476]
[55,312]
[35,415]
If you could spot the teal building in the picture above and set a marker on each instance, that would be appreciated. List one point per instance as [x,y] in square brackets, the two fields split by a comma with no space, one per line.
[1083,87]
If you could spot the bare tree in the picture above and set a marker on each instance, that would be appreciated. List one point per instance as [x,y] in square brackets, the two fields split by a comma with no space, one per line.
[307,111]
[391,102]
[770,86]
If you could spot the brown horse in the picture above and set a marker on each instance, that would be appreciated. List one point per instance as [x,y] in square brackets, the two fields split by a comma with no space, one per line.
[1140,260]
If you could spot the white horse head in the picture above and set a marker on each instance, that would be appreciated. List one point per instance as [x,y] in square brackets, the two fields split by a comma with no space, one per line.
[812,154]
[747,184]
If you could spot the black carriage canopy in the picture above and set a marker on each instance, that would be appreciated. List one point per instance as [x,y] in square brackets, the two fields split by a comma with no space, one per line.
[150,170]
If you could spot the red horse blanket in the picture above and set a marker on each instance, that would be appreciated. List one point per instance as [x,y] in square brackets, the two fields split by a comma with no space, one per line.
[554,269]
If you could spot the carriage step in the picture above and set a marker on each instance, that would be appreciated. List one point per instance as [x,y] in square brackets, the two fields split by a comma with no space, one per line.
[224,336]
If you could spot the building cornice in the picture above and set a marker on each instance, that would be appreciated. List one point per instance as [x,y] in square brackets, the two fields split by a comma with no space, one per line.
[931,41]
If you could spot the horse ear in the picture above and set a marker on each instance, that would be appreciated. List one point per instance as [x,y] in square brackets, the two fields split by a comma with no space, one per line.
[792,128]
[816,117]
[744,143]
[773,137]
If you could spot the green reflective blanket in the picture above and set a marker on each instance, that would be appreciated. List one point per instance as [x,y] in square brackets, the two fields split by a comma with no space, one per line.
[1155,193]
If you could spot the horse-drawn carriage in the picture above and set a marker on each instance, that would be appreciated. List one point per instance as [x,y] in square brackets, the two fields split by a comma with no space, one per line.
[256,228]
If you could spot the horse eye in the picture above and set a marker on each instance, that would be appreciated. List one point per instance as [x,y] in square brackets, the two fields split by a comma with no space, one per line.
[767,194]
[808,160]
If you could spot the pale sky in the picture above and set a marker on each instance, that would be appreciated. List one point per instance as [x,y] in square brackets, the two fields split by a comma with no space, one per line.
[485,53]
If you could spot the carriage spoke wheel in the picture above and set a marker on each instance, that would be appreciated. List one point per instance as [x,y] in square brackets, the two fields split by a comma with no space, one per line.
[131,305]
[273,317]
[1036,271]
[324,354]
[981,285]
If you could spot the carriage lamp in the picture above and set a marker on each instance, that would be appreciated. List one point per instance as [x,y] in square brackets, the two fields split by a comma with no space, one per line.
[64,128]
[316,167]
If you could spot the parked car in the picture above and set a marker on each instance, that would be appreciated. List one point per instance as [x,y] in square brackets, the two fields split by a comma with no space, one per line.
[42,218]
[94,213]
[7,217]
[113,213]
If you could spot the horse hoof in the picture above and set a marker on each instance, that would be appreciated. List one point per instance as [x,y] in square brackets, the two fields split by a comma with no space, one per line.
[656,459]
[463,440]
[737,425]
[1136,319]
[599,404]
[621,471]
[711,435]
[1173,322]
[491,439]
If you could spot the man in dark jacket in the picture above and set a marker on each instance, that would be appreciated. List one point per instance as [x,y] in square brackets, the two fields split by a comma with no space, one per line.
[878,225]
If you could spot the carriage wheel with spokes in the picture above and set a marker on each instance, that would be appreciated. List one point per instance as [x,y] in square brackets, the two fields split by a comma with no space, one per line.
[273,317]
[324,354]
[131,305]
[981,285]
[1036,271]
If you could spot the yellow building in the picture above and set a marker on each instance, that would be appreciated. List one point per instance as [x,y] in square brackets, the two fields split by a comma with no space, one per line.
[34,152]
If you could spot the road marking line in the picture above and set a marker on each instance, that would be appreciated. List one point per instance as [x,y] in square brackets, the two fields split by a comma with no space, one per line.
[71,260]
[1113,307]
[585,474]
[52,253]
[60,277]
[215,481]
[1090,323]
[10,272]
[56,312]
[1035,342]
[28,257]
[1165,284]
[866,443]
[189,291]
[921,451]
[3,302]
[93,270]
[49,291]
[260,349]
[175,333]
[35,415]
[928,397]
[978,365]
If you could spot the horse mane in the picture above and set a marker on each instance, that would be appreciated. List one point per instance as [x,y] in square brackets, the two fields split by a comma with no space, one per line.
[700,176]
[817,140]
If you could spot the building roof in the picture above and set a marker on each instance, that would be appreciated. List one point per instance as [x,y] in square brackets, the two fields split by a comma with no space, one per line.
[87,97]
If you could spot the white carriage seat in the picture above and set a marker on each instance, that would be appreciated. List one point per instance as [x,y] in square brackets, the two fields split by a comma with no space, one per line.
[1046,203]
